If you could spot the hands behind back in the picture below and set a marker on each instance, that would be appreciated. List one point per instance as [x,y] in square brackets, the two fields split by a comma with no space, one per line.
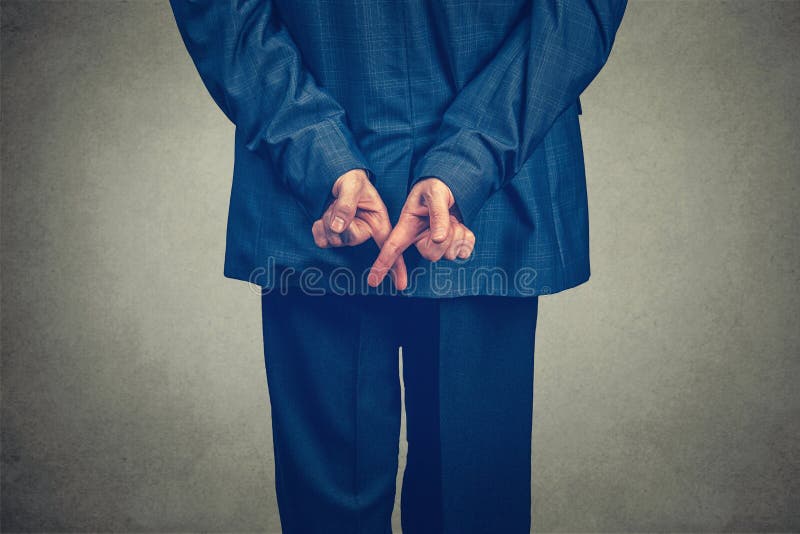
[428,219]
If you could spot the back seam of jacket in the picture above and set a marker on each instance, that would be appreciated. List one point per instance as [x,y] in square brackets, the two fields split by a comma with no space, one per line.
[409,178]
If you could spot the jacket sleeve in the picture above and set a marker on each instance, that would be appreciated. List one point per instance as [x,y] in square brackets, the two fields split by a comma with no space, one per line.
[254,72]
[500,116]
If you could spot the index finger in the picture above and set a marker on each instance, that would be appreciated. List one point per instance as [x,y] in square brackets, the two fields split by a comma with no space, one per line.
[380,233]
[400,238]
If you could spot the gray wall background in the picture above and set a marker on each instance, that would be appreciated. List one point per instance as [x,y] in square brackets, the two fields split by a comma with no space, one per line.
[133,388]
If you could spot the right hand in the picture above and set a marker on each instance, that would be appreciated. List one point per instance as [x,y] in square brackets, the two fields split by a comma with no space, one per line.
[356,214]
[431,220]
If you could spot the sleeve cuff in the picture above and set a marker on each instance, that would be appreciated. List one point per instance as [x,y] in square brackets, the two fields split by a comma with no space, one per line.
[326,152]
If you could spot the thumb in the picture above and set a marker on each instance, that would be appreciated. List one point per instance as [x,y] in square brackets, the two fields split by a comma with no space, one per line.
[343,209]
[439,214]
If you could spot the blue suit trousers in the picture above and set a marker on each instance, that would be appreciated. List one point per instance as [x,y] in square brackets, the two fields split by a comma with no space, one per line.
[333,374]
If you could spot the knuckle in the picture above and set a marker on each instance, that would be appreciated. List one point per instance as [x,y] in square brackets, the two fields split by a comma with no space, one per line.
[381,265]
[428,254]
[392,247]
[345,207]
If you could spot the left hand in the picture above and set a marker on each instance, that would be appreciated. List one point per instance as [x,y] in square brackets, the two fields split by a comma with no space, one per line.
[357,214]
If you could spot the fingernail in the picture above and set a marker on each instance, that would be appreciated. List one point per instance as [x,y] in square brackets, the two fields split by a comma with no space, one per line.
[372,280]
[337,225]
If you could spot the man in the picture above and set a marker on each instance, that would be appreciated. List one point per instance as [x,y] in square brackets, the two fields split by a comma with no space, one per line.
[446,133]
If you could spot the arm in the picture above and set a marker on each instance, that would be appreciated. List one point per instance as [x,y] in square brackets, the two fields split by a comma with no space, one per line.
[254,72]
[496,122]
[498,119]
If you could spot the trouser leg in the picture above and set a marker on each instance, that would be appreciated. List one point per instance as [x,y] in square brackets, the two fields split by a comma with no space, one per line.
[469,402]
[332,371]
[421,497]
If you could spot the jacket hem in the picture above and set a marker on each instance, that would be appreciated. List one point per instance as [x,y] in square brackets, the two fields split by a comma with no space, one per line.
[263,284]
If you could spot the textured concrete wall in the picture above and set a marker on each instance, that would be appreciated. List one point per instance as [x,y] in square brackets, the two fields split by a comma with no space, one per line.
[133,394]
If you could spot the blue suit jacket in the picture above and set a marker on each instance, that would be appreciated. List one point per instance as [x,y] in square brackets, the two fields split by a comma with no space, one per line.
[481,94]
